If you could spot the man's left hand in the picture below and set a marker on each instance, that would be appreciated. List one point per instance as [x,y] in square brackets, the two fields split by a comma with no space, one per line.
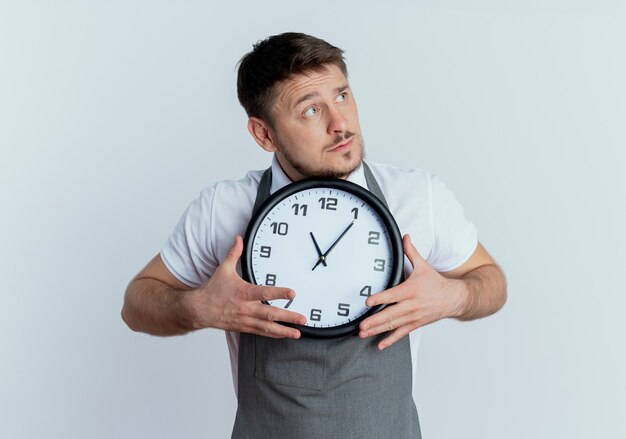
[424,297]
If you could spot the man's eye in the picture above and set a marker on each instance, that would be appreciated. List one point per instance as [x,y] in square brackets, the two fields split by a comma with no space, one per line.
[311,111]
[342,97]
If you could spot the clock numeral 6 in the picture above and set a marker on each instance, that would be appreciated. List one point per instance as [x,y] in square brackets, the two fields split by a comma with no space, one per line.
[265,252]
[280,228]
[366,291]
[270,280]
[379,265]
[328,203]
[344,309]
[374,237]
[316,315]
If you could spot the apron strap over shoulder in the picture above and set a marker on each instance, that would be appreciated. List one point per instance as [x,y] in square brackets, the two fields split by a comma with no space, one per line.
[263,192]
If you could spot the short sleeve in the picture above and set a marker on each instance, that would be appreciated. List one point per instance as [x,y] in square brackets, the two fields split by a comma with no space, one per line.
[454,237]
[188,251]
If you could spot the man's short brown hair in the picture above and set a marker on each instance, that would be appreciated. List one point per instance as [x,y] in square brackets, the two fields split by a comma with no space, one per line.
[277,58]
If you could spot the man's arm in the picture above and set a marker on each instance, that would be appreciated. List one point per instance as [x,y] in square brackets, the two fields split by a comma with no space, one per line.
[159,304]
[474,290]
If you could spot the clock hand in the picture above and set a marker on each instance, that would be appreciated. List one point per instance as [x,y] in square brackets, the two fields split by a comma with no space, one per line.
[319,252]
[323,257]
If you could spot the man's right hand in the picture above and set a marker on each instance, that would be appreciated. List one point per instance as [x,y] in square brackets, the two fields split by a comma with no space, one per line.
[158,303]
[228,302]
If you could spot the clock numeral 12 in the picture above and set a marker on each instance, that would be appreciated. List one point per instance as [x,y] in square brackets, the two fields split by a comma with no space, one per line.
[328,203]
[280,228]
[316,315]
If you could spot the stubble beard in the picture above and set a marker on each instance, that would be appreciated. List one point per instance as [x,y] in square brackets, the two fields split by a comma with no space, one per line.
[307,171]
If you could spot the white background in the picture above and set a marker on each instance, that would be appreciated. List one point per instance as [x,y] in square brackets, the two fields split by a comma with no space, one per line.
[114,115]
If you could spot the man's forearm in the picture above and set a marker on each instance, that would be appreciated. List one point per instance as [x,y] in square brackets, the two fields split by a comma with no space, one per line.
[483,292]
[155,308]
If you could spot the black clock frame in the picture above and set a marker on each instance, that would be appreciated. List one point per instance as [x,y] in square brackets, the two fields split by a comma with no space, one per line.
[397,251]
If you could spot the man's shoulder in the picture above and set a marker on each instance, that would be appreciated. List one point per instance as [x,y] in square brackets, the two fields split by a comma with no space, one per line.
[231,189]
[395,178]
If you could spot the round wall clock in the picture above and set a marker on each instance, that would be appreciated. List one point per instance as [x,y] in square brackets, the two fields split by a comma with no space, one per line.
[331,241]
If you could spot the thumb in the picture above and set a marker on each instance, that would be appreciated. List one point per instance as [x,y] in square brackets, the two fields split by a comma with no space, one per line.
[411,252]
[234,253]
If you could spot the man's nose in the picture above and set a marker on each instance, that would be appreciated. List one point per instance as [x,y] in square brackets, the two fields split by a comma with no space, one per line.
[337,123]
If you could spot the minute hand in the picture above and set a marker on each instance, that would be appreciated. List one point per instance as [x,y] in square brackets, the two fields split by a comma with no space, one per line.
[323,257]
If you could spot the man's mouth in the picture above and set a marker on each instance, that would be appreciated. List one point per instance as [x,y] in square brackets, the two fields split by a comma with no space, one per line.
[342,146]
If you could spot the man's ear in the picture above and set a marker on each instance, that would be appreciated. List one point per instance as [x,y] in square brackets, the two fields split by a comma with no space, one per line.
[260,131]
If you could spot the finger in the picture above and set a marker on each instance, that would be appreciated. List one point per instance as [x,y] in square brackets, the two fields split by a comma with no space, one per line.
[411,252]
[269,313]
[387,319]
[234,253]
[389,324]
[263,293]
[396,335]
[392,295]
[269,329]
[384,297]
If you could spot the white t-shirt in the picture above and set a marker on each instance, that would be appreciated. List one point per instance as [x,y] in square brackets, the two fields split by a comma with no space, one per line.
[420,202]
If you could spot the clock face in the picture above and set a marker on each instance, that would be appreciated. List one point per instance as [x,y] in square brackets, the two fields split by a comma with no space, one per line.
[330,241]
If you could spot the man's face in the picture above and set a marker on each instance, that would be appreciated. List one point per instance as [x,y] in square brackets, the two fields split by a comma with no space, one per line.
[316,128]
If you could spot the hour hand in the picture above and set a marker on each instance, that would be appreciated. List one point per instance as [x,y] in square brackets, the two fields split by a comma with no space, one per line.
[321,257]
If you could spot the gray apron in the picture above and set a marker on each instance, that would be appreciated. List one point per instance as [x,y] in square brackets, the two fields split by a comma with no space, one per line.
[338,388]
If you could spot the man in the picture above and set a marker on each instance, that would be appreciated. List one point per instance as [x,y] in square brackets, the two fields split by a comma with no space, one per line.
[295,91]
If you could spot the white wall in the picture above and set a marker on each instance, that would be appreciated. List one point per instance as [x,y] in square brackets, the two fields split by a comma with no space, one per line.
[113,116]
